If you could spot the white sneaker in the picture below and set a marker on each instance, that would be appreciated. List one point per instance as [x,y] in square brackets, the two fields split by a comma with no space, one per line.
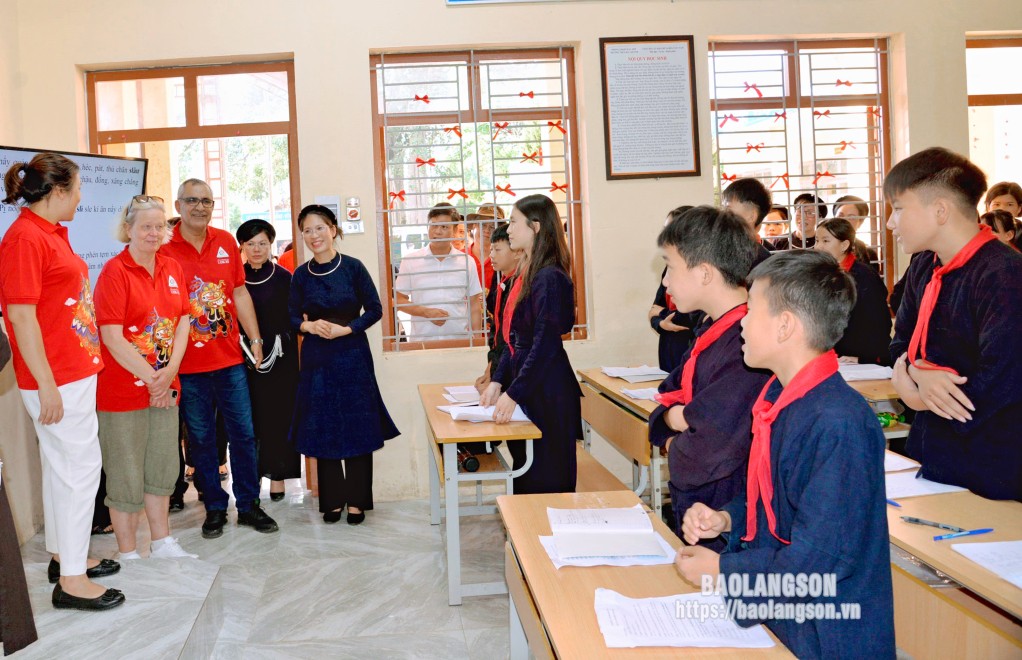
[124,556]
[168,549]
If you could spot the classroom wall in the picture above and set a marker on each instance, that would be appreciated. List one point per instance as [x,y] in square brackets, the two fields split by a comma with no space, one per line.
[331,42]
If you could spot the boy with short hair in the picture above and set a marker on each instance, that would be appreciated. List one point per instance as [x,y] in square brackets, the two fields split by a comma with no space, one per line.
[505,265]
[814,502]
[751,201]
[703,419]
[957,345]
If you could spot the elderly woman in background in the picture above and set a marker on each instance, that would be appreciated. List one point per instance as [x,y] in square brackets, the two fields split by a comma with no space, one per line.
[142,312]
[272,385]
[340,417]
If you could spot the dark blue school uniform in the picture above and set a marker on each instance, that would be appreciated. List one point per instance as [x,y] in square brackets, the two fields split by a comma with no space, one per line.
[868,335]
[708,460]
[539,378]
[975,329]
[827,462]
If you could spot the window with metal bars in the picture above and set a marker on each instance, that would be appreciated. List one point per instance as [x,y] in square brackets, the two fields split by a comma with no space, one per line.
[995,106]
[472,129]
[806,117]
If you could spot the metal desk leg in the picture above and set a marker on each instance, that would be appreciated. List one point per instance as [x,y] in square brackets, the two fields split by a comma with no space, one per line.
[518,642]
[453,524]
[587,436]
[656,496]
[434,485]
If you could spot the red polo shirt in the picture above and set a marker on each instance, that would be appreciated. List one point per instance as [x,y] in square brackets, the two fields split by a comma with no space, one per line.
[148,308]
[36,257]
[211,276]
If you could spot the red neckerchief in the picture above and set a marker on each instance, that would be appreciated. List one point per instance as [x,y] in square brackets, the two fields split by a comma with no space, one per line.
[917,345]
[500,296]
[848,261]
[704,341]
[760,483]
[670,302]
[509,311]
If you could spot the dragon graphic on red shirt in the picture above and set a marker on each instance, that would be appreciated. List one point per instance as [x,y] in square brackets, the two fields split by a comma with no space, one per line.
[155,342]
[83,322]
[209,316]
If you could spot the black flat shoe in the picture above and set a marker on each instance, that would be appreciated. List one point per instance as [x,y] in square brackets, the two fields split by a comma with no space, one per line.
[214,524]
[276,497]
[257,519]
[104,568]
[356,518]
[63,601]
[177,504]
[330,517]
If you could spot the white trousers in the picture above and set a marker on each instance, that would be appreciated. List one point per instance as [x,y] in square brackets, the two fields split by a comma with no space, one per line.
[71,462]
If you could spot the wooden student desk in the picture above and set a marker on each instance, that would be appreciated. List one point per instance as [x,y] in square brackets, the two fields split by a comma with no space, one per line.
[552,611]
[622,421]
[981,620]
[879,390]
[443,436]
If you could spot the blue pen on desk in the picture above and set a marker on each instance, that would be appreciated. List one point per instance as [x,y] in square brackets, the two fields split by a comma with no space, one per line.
[955,535]
[893,503]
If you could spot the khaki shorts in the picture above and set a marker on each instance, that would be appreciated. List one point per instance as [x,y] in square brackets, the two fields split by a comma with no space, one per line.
[140,455]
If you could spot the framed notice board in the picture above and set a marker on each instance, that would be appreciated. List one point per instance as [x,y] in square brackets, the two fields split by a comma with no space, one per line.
[649,107]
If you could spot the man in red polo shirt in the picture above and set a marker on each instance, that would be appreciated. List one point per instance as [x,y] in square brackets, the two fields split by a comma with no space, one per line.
[212,374]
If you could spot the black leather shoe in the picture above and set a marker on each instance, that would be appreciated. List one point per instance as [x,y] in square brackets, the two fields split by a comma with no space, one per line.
[63,601]
[330,517]
[102,569]
[257,519]
[214,525]
[276,497]
[356,518]
[177,503]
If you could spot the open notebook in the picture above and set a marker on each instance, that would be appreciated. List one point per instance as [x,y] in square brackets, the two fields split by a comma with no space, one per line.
[619,533]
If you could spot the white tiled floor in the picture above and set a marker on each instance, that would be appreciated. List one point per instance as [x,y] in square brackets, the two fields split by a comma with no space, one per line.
[309,591]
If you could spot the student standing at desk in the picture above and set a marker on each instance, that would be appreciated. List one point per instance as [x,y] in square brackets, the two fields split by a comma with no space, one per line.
[957,344]
[535,373]
[673,328]
[751,201]
[815,500]
[704,418]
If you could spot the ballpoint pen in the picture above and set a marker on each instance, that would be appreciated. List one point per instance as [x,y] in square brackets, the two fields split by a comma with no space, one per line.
[971,532]
[920,521]
[893,503]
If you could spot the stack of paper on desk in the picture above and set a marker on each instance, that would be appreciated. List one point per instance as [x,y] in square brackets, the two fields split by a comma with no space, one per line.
[620,534]
[642,374]
[461,394]
[642,394]
[905,484]
[479,413]
[653,560]
[865,372]
[672,621]
[896,462]
[1002,558]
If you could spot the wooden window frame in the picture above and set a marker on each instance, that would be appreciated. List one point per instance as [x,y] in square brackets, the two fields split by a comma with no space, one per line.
[980,100]
[193,130]
[475,113]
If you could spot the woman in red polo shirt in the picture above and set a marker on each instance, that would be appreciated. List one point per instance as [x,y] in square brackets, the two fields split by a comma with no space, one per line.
[142,312]
[44,293]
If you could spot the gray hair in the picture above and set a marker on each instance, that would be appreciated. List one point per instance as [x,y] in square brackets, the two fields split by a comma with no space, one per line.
[194,182]
[126,218]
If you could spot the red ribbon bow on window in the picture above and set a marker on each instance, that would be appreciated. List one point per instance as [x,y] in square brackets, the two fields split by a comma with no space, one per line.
[529,94]
[424,98]
[554,186]
[845,145]
[452,192]
[728,117]
[453,129]
[557,125]
[507,189]
[846,83]
[396,196]
[817,113]
[820,175]
[753,88]
[535,156]
[419,162]
[499,126]
[875,111]
[780,115]
[750,147]
[725,177]
[784,178]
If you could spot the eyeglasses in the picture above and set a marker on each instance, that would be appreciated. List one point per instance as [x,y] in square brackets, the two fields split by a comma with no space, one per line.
[195,201]
[144,199]
[261,245]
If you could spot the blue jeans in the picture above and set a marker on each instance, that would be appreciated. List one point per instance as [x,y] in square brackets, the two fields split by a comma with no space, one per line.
[227,390]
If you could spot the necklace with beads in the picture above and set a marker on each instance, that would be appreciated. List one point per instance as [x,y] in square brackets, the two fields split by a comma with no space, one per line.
[336,266]
[272,270]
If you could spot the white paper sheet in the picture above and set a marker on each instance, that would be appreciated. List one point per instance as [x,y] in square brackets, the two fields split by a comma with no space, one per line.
[626,519]
[588,545]
[1002,558]
[642,374]
[461,393]
[896,462]
[905,484]
[479,413]
[634,622]
[642,394]
[453,399]
[864,372]
[666,557]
